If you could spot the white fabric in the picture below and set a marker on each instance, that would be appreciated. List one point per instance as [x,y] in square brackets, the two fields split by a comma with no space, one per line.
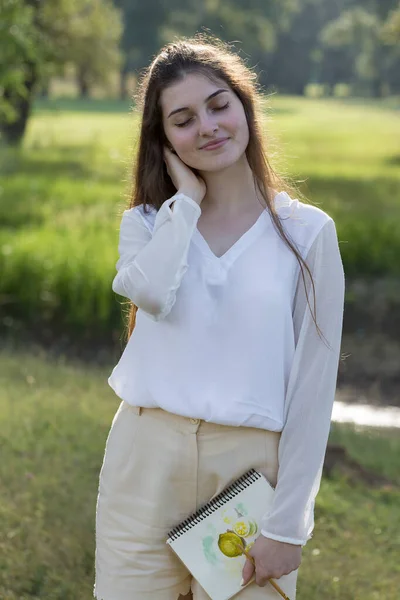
[231,339]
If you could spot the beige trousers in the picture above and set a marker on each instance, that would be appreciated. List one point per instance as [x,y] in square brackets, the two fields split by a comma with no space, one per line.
[159,468]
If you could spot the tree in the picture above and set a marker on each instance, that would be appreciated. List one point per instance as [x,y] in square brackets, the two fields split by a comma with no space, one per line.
[391,29]
[291,66]
[362,35]
[254,23]
[20,53]
[358,30]
[149,25]
[391,37]
[38,37]
[141,36]
[96,29]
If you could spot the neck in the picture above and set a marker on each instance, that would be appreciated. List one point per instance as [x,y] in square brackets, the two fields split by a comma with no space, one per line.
[230,190]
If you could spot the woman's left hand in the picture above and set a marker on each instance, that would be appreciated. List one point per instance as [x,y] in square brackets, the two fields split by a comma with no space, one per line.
[273,559]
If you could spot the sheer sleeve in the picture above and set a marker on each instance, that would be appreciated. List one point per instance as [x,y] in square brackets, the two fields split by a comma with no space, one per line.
[309,394]
[151,264]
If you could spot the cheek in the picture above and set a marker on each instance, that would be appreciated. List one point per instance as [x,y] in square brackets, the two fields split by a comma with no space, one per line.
[182,139]
[240,124]
[236,124]
[179,138]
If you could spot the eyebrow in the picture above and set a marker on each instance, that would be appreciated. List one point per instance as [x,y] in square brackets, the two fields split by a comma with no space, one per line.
[177,110]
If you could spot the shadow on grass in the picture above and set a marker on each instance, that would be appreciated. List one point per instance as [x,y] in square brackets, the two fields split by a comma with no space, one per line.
[393,160]
[67,166]
[108,105]
[391,103]
[35,184]
[29,180]
[66,159]
[353,197]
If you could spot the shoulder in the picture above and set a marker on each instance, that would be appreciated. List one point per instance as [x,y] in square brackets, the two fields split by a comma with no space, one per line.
[139,215]
[303,222]
[292,208]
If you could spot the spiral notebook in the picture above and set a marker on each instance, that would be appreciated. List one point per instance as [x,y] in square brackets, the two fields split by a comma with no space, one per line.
[210,541]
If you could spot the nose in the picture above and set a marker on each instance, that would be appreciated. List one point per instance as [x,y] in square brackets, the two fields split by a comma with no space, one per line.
[207,125]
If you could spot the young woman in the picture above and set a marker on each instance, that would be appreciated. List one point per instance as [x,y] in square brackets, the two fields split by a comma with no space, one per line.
[237,294]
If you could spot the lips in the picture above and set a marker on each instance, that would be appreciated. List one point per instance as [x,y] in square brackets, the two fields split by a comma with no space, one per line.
[215,143]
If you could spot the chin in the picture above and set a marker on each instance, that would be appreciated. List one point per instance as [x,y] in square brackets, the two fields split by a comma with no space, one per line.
[215,162]
[223,163]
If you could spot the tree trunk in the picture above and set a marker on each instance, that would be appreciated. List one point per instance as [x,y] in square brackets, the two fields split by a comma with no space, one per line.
[13,132]
[377,87]
[83,84]
[45,90]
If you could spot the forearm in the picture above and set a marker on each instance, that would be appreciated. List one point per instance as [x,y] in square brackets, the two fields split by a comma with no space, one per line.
[152,277]
[310,396]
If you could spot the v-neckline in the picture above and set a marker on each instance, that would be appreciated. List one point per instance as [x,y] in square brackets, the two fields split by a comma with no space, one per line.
[237,247]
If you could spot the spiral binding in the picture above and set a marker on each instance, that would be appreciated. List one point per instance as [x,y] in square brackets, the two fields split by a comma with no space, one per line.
[218,502]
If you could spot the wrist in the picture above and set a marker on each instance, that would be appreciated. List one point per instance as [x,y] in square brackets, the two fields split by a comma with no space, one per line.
[191,194]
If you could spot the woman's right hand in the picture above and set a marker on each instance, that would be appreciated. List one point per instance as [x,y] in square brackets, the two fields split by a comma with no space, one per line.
[183,178]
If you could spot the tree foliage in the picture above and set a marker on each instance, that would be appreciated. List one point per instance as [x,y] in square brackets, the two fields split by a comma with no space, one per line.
[290,42]
[391,28]
[39,37]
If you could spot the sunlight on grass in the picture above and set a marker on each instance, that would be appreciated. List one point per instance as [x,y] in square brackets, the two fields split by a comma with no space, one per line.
[54,420]
[62,195]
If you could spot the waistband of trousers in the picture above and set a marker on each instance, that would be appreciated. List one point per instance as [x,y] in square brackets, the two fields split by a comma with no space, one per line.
[189,424]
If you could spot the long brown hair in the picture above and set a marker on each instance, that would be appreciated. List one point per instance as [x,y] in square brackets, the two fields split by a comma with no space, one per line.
[211,57]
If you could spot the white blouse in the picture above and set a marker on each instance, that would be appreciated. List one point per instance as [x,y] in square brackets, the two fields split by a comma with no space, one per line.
[241,331]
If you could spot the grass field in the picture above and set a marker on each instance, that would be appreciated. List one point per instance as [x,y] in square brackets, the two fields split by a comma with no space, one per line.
[60,202]
[62,195]
[54,419]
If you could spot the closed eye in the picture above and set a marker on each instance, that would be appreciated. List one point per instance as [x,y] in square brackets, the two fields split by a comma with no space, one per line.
[216,109]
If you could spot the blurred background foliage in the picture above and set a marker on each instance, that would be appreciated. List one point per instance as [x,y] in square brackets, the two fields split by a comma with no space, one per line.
[353,44]
[68,70]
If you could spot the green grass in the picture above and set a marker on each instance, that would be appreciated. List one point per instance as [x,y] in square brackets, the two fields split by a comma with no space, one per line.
[349,156]
[62,194]
[54,419]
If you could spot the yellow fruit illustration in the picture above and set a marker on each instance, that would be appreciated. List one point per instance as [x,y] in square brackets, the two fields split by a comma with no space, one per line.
[231,544]
[242,527]
[245,527]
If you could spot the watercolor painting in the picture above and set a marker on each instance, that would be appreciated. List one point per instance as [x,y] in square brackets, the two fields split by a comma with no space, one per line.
[224,540]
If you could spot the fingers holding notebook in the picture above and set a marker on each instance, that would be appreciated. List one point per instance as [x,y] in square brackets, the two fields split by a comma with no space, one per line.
[273,559]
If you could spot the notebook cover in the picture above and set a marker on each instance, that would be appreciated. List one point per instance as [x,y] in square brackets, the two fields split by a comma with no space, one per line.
[207,541]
